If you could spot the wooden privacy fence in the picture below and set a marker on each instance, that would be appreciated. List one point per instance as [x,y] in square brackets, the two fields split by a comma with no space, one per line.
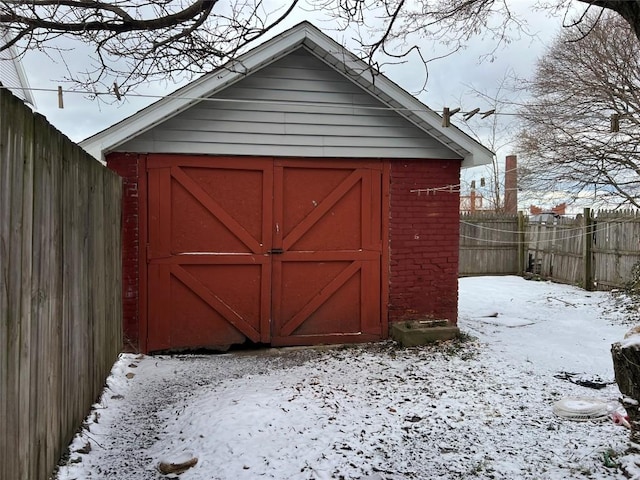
[60,288]
[488,244]
[555,249]
[593,251]
[616,247]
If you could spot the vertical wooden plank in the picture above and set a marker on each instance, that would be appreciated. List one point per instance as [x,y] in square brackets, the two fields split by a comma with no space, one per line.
[6,188]
[266,245]
[57,212]
[43,277]
[159,311]
[375,228]
[97,221]
[38,298]
[81,319]
[92,325]
[105,350]
[65,307]
[536,245]
[69,252]
[366,240]
[521,243]
[55,378]
[588,250]
[386,251]
[116,202]
[277,235]
[113,256]
[4,300]
[26,350]
[13,257]
[14,244]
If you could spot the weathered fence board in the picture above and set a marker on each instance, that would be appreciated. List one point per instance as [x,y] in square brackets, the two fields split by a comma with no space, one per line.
[487,244]
[60,288]
[616,247]
[559,249]
[554,249]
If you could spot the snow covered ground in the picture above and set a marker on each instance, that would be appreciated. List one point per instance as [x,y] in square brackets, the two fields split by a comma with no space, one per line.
[480,408]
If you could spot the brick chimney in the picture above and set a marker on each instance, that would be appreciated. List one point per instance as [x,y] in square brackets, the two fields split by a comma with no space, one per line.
[511,184]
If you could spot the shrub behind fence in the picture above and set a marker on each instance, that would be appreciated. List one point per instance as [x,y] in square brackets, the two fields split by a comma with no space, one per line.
[60,288]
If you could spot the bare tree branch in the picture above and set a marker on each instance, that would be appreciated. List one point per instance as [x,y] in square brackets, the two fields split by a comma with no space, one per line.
[136,40]
[121,22]
[497,134]
[627,9]
[566,135]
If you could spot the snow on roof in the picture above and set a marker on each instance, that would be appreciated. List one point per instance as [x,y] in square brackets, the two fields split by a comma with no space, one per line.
[326,49]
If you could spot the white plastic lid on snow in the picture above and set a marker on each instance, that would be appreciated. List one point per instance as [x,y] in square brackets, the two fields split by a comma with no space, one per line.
[582,409]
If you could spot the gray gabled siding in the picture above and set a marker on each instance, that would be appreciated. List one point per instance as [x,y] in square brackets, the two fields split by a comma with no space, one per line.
[297,106]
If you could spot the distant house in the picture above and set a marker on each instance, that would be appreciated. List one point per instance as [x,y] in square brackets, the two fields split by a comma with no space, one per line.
[12,74]
[290,198]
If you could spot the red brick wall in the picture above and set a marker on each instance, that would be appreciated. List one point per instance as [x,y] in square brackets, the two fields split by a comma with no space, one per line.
[423,235]
[126,165]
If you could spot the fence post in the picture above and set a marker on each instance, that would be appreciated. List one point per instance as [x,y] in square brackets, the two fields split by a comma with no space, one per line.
[588,250]
[520,238]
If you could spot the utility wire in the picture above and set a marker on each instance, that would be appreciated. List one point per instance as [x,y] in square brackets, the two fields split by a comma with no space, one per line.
[119,96]
[603,222]
[545,236]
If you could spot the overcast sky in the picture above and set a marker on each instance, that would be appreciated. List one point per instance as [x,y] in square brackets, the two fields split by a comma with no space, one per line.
[448,83]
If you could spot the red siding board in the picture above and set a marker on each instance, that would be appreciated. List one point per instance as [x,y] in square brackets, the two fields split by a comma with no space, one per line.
[424,235]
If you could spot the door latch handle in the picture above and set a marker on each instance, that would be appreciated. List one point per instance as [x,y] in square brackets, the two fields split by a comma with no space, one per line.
[276,251]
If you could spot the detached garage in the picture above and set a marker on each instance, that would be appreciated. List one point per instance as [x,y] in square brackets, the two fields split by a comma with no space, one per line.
[274,201]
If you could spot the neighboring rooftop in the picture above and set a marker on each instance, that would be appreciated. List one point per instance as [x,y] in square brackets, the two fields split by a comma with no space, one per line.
[12,74]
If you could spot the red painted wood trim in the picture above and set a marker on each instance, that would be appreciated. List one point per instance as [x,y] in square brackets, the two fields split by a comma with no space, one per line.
[323,339]
[322,209]
[267,244]
[384,262]
[320,298]
[215,209]
[230,315]
[167,160]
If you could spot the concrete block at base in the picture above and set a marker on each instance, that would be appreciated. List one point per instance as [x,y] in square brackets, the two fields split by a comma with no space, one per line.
[413,333]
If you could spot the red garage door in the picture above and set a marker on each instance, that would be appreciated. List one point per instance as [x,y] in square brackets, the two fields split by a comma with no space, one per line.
[287,252]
